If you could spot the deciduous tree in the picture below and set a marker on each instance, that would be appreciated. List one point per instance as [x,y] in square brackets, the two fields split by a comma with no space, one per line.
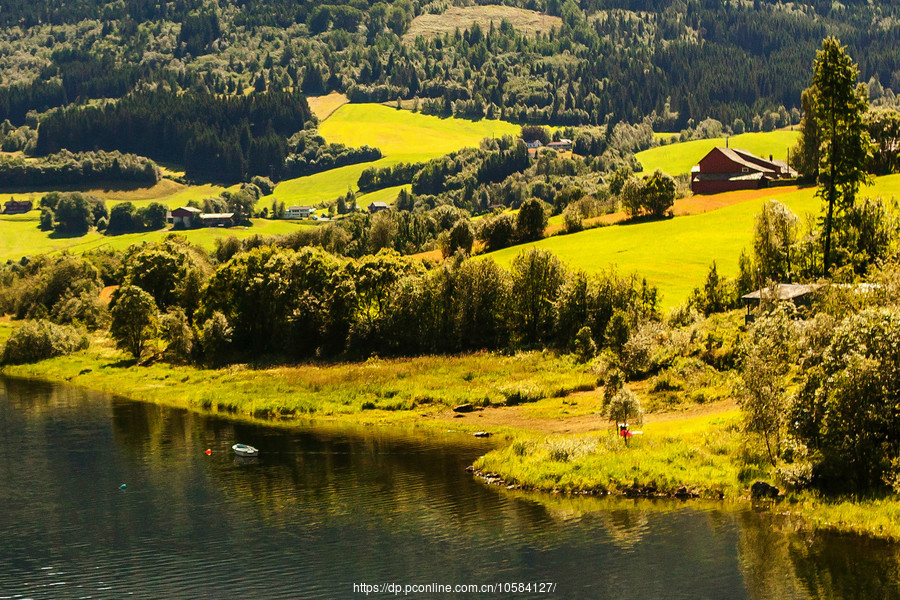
[134,319]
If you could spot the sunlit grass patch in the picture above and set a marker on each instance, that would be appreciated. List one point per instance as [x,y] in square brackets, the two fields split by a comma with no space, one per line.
[324,106]
[527,22]
[698,454]
[405,387]
[675,254]
[678,158]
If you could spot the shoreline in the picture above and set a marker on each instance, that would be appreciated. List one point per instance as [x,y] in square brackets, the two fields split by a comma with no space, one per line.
[687,455]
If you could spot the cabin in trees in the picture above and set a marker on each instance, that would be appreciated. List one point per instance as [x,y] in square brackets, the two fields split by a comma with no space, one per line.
[798,293]
[375,207]
[728,169]
[18,206]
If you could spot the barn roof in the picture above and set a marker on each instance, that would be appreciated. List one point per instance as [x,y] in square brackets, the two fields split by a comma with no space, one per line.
[782,291]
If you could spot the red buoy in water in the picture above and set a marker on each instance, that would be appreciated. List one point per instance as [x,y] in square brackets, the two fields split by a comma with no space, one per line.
[208,451]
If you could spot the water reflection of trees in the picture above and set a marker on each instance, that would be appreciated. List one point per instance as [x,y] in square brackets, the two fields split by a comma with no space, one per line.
[782,559]
[389,480]
[332,474]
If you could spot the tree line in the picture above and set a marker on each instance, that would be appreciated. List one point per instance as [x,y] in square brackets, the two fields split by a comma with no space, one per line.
[67,168]
[215,137]
[307,302]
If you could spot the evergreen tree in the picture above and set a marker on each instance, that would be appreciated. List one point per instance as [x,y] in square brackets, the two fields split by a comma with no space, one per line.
[840,103]
[805,155]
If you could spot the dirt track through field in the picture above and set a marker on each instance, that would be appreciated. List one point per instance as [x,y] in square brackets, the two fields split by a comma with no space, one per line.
[523,417]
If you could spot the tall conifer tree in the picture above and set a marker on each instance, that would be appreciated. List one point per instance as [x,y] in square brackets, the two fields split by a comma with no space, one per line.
[840,104]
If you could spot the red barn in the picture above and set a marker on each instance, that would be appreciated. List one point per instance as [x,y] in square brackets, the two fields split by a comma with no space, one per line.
[728,169]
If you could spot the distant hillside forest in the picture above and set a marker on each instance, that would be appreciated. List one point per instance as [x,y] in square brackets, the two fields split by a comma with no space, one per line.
[676,62]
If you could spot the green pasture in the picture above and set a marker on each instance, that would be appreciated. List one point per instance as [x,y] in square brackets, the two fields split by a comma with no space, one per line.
[21,236]
[675,254]
[677,159]
[387,195]
[402,136]
[166,191]
[401,132]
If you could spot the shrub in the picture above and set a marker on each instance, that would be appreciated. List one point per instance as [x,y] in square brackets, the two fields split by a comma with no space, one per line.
[176,332]
[625,408]
[86,309]
[565,449]
[215,337]
[572,218]
[39,340]
[637,353]
[585,348]
[519,393]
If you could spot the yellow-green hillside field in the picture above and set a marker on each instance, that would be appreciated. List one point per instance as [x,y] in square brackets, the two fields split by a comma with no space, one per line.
[677,159]
[400,132]
[674,254]
[21,236]
[402,136]
[166,191]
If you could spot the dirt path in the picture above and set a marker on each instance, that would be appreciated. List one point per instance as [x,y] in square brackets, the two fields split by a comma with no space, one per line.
[540,417]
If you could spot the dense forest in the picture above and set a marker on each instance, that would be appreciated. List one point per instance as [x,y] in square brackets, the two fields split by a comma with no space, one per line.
[677,62]
[212,136]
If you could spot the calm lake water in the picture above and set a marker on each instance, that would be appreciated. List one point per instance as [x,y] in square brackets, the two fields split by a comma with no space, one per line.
[323,509]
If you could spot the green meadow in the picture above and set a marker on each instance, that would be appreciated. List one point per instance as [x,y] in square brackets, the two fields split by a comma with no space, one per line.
[675,253]
[373,391]
[402,136]
[21,236]
[387,195]
[677,159]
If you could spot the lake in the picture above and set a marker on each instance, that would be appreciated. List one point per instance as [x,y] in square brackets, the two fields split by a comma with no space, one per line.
[334,512]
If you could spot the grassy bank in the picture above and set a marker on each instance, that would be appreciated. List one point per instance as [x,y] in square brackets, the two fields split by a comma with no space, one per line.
[376,390]
[696,453]
[558,440]
[702,456]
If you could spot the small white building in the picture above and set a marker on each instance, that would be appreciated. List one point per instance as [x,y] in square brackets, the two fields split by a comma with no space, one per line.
[299,212]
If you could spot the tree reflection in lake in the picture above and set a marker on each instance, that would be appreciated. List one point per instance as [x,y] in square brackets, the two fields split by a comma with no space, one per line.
[325,507]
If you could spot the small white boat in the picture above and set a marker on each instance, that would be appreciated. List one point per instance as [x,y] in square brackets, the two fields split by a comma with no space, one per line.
[245,450]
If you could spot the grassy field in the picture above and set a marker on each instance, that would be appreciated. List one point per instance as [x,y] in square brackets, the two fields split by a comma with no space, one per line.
[402,136]
[677,159]
[696,452]
[527,22]
[166,191]
[675,254]
[404,133]
[388,195]
[323,106]
[372,391]
[21,236]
